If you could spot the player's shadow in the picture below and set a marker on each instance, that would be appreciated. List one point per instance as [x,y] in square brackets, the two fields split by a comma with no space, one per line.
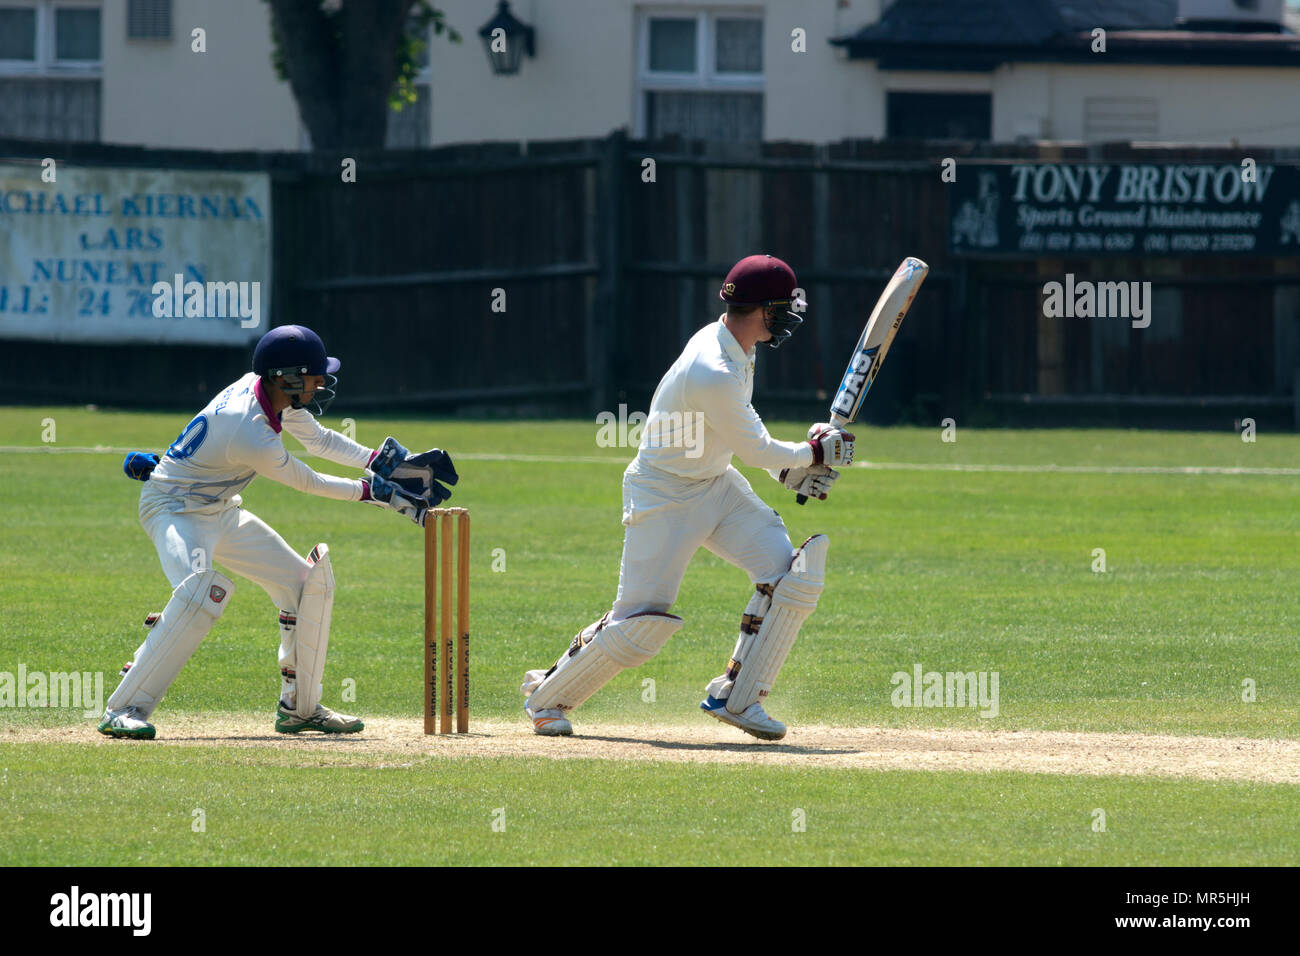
[716,746]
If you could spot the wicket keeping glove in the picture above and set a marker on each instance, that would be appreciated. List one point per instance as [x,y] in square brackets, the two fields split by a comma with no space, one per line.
[416,474]
[385,492]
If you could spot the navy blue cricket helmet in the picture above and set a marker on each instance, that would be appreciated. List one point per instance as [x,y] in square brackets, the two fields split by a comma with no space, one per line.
[291,352]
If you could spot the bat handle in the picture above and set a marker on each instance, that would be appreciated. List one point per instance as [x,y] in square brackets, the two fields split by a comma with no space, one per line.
[801,499]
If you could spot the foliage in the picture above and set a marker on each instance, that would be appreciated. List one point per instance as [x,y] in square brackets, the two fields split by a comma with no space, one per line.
[411,53]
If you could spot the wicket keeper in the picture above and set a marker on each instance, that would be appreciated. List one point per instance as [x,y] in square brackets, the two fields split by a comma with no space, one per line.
[190,507]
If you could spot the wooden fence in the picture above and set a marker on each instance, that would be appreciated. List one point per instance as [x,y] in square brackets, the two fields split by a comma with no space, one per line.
[565,276]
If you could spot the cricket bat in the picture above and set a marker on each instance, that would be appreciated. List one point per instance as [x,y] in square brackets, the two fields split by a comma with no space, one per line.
[869,354]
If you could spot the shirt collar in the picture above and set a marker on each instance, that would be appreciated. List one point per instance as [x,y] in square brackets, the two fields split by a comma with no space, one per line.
[265,401]
[731,346]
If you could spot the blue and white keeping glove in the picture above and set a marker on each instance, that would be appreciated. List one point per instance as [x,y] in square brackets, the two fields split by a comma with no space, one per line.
[417,474]
[385,492]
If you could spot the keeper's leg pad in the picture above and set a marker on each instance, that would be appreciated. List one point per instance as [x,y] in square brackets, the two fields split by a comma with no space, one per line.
[597,653]
[312,632]
[194,607]
[793,600]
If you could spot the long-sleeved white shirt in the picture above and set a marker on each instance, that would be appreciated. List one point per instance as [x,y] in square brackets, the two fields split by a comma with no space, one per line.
[701,414]
[237,437]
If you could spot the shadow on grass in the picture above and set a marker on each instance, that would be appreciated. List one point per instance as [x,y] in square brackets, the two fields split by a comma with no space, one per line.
[755,746]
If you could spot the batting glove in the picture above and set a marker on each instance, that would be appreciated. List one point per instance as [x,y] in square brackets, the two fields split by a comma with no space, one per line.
[813,482]
[830,445]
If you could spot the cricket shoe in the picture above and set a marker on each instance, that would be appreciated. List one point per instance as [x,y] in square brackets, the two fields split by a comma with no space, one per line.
[324,721]
[550,723]
[127,723]
[752,720]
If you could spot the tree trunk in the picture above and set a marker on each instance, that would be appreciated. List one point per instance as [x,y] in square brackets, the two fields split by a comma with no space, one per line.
[342,82]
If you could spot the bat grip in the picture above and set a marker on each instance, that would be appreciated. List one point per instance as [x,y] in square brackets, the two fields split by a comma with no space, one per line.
[801,499]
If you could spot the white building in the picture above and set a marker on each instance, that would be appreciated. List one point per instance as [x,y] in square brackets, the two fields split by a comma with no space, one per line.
[1203,71]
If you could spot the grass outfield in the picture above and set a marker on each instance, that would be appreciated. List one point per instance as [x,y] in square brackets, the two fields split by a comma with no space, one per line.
[954,570]
[261,807]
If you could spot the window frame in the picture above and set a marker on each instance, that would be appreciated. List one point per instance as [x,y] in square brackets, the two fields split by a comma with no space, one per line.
[706,77]
[46,64]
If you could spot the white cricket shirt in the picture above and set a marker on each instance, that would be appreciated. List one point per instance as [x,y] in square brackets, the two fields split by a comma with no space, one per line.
[237,437]
[701,414]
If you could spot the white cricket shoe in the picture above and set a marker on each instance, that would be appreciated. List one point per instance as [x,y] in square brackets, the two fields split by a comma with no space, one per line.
[752,720]
[550,722]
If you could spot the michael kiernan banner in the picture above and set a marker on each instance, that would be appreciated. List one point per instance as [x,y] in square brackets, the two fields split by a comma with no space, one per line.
[134,255]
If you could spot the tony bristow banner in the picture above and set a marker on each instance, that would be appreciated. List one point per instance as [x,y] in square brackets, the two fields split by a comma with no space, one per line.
[1125,209]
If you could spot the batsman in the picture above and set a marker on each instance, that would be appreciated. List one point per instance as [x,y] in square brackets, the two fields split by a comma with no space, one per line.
[681,492]
[191,508]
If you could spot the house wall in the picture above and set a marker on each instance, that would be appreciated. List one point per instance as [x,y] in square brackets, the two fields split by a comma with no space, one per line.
[159,93]
[583,81]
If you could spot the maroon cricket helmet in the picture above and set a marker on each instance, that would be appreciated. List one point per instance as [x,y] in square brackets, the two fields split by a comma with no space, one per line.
[767,281]
[756,279]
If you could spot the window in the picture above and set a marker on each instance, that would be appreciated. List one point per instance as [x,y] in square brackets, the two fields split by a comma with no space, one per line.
[76,35]
[51,58]
[739,45]
[149,19]
[672,45]
[18,34]
[700,75]
[939,116]
[50,37]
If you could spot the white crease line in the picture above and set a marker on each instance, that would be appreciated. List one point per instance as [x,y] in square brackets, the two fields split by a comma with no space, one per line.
[69,450]
[467,456]
[870,465]
[1082,469]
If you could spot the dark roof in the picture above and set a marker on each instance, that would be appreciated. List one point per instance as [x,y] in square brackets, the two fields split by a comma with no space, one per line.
[1111,14]
[1012,22]
[981,34]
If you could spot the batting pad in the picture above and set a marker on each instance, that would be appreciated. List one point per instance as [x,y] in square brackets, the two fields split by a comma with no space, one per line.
[794,599]
[312,634]
[751,622]
[626,643]
[194,607]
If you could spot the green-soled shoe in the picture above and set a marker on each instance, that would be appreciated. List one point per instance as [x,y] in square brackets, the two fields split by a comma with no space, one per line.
[324,721]
[126,724]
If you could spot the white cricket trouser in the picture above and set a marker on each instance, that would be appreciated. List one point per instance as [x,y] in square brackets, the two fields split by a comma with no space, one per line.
[240,541]
[667,520]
